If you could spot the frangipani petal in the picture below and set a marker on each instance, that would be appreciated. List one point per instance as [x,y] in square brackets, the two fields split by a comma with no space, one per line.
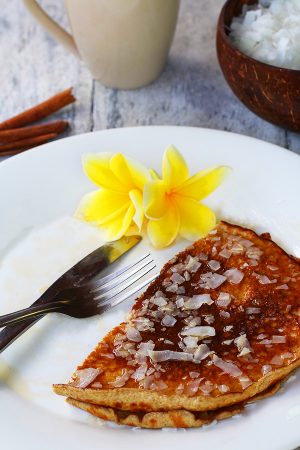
[102,206]
[140,174]
[133,230]
[129,172]
[97,169]
[155,199]
[154,175]
[174,168]
[196,220]
[203,183]
[119,168]
[137,201]
[119,226]
[162,232]
[129,192]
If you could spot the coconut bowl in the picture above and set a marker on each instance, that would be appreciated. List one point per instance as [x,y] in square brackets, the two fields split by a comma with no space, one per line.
[272,93]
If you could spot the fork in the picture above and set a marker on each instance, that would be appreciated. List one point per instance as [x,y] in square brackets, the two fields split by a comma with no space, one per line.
[94,297]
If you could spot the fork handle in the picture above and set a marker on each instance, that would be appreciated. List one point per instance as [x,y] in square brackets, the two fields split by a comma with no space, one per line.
[31,312]
[8,335]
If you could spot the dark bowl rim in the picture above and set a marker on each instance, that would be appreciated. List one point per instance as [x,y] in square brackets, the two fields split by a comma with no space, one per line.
[221,29]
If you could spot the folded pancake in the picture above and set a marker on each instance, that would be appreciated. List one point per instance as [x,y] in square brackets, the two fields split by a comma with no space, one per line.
[172,419]
[157,419]
[219,326]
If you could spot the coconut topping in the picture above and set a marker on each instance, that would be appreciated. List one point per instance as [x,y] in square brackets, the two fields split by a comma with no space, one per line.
[169,321]
[167,355]
[177,278]
[173,288]
[192,387]
[235,276]
[180,389]
[145,347]
[261,336]
[226,366]
[225,253]
[225,314]
[192,264]
[202,352]
[245,381]
[140,372]
[194,374]
[96,385]
[133,334]
[207,387]
[211,280]
[197,301]
[197,318]
[209,319]
[159,301]
[200,332]
[266,369]
[282,286]
[187,276]
[223,299]
[243,345]
[190,341]
[214,265]
[84,377]
[263,279]
[202,256]
[223,388]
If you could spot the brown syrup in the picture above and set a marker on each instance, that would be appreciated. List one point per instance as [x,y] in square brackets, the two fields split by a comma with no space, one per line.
[278,315]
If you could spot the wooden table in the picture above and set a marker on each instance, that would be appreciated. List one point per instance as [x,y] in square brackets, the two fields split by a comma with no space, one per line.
[191,90]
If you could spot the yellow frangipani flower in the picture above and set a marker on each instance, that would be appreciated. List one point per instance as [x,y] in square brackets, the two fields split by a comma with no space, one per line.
[172,204]
[117,205]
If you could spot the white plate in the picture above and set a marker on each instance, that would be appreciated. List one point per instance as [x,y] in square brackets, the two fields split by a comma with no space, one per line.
[39,191]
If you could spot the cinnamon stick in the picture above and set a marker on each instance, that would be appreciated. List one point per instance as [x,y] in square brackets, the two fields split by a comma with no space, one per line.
[18,134]
[14,152]
[40,111]
[15,147]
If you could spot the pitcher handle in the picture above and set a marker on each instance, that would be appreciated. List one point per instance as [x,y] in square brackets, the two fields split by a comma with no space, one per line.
[51,26]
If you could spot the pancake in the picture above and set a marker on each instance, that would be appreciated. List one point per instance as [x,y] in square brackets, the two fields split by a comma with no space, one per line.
[170,419]
[157,419]
[219,326]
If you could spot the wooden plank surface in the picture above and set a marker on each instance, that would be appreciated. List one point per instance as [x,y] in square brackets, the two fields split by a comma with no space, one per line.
[191,90]
[34,67]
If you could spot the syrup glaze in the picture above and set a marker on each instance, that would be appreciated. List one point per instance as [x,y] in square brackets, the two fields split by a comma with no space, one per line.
[229,305]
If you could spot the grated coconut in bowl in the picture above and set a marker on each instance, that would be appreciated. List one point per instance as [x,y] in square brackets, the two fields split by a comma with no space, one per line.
[269,32]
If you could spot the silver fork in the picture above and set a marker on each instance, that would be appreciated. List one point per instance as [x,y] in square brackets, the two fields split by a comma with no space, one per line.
[95,297]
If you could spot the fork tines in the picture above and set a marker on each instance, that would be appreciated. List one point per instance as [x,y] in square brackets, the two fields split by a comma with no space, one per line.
[107,288]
